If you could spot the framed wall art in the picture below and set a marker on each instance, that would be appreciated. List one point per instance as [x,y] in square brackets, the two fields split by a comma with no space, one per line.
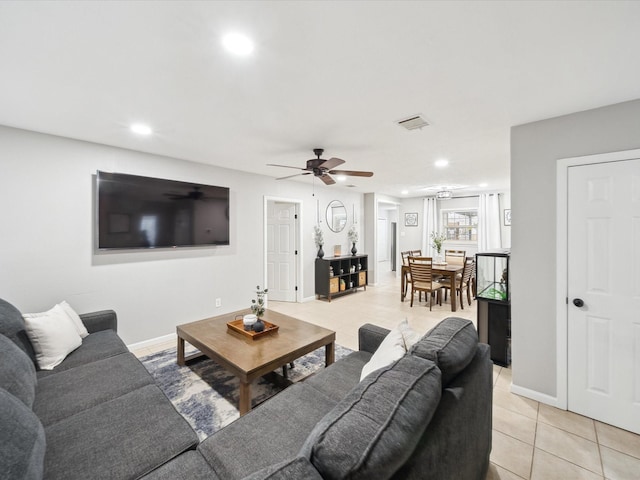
[507,217]
[410,219]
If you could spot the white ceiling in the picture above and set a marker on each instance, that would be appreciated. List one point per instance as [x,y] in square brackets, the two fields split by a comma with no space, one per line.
[336,75]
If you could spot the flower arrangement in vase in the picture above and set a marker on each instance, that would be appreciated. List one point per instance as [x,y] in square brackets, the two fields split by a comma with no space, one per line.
[318,238]
[353,238]
[258,308]
[437,240]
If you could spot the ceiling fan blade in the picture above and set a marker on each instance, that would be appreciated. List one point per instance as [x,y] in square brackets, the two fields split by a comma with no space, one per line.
[327,179]
[332,162]
[294,175]
[285,166]
[352,173]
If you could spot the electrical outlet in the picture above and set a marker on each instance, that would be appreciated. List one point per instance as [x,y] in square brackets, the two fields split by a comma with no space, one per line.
[218,302]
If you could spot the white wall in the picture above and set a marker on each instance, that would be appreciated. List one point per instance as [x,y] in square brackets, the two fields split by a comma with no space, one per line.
[535,149]
[411,237]
[47,245]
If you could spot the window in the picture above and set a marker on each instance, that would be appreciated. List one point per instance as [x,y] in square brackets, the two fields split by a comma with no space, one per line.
[461,225]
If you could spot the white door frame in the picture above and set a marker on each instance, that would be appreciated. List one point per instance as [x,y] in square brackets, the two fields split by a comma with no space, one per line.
[298,236]
[562,287]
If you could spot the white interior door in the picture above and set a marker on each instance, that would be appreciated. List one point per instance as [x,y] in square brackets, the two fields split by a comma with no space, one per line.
[281,251]
[604,273]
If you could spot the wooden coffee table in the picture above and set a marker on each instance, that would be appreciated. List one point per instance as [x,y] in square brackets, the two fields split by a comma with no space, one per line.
[248,358]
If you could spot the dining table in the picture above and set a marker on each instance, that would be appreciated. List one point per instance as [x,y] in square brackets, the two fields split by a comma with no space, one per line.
[450,270]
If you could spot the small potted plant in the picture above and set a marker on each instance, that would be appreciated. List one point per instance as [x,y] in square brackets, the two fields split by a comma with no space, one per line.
[353,238]
[258,308]
[318,238]
[437,240]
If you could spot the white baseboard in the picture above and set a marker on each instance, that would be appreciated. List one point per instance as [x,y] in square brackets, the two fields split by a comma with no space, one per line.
[534,395]
[308,299]
[154,341]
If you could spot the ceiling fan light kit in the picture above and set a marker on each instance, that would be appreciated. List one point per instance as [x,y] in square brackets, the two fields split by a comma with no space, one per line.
[323,169]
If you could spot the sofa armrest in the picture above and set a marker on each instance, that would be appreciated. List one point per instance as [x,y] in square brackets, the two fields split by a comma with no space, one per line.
[102,320]
[370,337]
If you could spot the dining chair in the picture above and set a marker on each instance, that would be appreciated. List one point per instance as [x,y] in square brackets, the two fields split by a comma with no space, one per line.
[462,282]
[405,261]
[422,279]
[455,257]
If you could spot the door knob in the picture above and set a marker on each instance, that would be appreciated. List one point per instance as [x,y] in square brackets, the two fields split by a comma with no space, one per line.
[578,302]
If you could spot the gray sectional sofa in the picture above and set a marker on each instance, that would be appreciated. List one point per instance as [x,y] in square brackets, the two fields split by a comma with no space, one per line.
[427,415]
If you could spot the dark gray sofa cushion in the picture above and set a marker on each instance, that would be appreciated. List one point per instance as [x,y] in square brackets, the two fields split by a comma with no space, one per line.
[126,437]
[190,465]
[17,372]
[12,326]
[338,379]
[96,346]
[457,443]
[22,440]
[71,391]
[271,433]
[376,427]
[451,345]
[296,468]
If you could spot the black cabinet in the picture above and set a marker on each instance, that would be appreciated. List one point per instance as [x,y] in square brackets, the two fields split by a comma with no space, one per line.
[493,293]
[337,276]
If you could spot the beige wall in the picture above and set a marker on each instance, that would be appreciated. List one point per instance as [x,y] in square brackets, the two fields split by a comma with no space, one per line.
[535,149]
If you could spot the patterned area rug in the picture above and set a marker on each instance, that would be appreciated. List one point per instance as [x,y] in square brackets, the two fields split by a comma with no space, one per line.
[207,395]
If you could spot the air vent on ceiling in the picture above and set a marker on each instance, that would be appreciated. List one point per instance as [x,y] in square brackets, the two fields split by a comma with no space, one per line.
[413,122]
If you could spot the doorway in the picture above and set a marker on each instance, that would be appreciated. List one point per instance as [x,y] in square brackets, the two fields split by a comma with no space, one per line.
[282,249]
[601,214]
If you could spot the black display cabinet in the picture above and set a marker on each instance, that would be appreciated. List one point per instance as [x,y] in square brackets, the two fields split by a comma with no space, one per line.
[493,293]
[336,276]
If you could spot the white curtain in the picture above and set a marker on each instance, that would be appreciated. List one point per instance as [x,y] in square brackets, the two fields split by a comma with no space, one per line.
[430,224]
[489,222]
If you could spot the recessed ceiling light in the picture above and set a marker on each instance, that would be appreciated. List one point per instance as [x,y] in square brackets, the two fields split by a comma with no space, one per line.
[341,178]
[141,129]
[238,44]
[404,192]
[441,163]
[483,185]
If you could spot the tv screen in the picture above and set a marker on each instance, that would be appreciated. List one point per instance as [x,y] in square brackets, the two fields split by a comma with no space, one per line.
[144,212]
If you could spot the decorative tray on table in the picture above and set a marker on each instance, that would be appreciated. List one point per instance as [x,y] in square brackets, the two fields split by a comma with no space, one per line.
[238,327]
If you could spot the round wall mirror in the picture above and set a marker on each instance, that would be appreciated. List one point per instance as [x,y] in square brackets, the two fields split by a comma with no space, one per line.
[336,216]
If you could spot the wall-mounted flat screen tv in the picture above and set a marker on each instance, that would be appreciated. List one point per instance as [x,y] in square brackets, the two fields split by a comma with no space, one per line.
[144,212]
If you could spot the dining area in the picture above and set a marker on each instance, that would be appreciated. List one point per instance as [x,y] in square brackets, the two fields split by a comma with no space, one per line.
[452,278]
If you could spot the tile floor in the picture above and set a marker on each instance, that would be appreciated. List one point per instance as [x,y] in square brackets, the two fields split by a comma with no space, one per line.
[531,440]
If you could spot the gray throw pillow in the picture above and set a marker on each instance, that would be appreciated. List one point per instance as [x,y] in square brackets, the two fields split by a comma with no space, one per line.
[12,326]
[17,372]
[22,441]
[451,344]
[372,431]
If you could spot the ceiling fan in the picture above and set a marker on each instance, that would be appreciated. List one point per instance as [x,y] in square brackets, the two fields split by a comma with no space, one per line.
[322,168]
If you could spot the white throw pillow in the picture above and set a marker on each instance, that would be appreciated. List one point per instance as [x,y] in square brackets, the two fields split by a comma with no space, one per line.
[77,322]
[393,348]
[53,336]
[409,335]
